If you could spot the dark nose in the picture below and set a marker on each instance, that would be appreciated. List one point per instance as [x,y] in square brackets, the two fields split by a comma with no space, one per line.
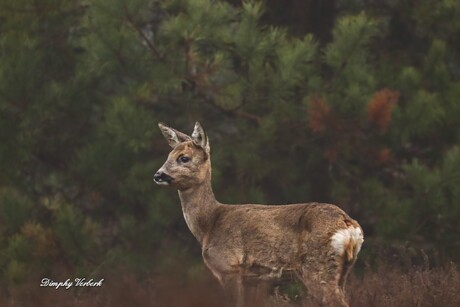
[162,177]
[157,176]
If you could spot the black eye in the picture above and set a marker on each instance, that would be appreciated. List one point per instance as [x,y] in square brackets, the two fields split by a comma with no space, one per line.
[184,159]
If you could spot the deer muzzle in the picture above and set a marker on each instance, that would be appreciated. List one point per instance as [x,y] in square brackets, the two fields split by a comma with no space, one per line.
[162,178]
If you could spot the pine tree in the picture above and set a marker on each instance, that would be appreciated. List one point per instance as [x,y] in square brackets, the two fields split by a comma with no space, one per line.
[362,119]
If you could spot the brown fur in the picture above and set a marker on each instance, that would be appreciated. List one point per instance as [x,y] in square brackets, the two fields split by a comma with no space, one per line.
[243,244]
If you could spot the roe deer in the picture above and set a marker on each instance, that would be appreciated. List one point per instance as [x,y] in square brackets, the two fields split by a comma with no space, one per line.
[315,243]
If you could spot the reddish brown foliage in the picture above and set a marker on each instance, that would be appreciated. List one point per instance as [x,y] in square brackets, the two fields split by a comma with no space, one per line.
[318,114]
[380,108]
[331,154]
[383,155]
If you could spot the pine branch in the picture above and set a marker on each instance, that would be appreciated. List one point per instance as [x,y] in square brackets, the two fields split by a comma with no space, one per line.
[232,112]
[252,117]
[235,112]
[115,51]
[347,57]
[143,37]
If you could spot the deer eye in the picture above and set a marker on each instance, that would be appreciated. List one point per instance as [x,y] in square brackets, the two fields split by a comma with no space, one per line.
[184,159]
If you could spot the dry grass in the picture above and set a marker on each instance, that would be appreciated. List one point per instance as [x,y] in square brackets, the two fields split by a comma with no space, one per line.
[414,287]
[385,286]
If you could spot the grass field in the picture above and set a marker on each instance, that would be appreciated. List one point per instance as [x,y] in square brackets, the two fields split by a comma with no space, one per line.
[384,286]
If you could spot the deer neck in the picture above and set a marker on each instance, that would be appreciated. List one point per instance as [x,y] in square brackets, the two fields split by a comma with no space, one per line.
[199,207]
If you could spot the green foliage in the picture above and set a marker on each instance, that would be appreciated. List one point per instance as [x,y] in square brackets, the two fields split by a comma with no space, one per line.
[348,55]
[73,232]
[15,210]
[366,117]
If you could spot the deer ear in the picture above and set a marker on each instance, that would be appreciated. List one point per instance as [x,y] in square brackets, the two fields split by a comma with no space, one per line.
[200,138]
[173,136]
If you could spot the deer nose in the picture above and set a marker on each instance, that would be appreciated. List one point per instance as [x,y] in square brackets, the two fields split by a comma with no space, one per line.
[161,177]
[157,176]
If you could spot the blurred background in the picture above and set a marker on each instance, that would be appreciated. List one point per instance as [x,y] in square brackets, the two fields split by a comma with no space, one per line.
[355,103]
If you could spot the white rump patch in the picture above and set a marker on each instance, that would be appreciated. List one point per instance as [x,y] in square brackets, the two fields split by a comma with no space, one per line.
[347,240]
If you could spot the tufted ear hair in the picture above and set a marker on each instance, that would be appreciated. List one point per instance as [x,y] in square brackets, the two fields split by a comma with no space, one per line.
[200,138]
[173,136]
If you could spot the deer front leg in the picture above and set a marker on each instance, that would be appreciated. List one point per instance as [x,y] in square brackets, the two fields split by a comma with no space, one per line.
[228,272]
[234,289]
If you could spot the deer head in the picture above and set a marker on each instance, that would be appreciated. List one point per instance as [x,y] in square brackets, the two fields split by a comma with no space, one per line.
[189,162]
